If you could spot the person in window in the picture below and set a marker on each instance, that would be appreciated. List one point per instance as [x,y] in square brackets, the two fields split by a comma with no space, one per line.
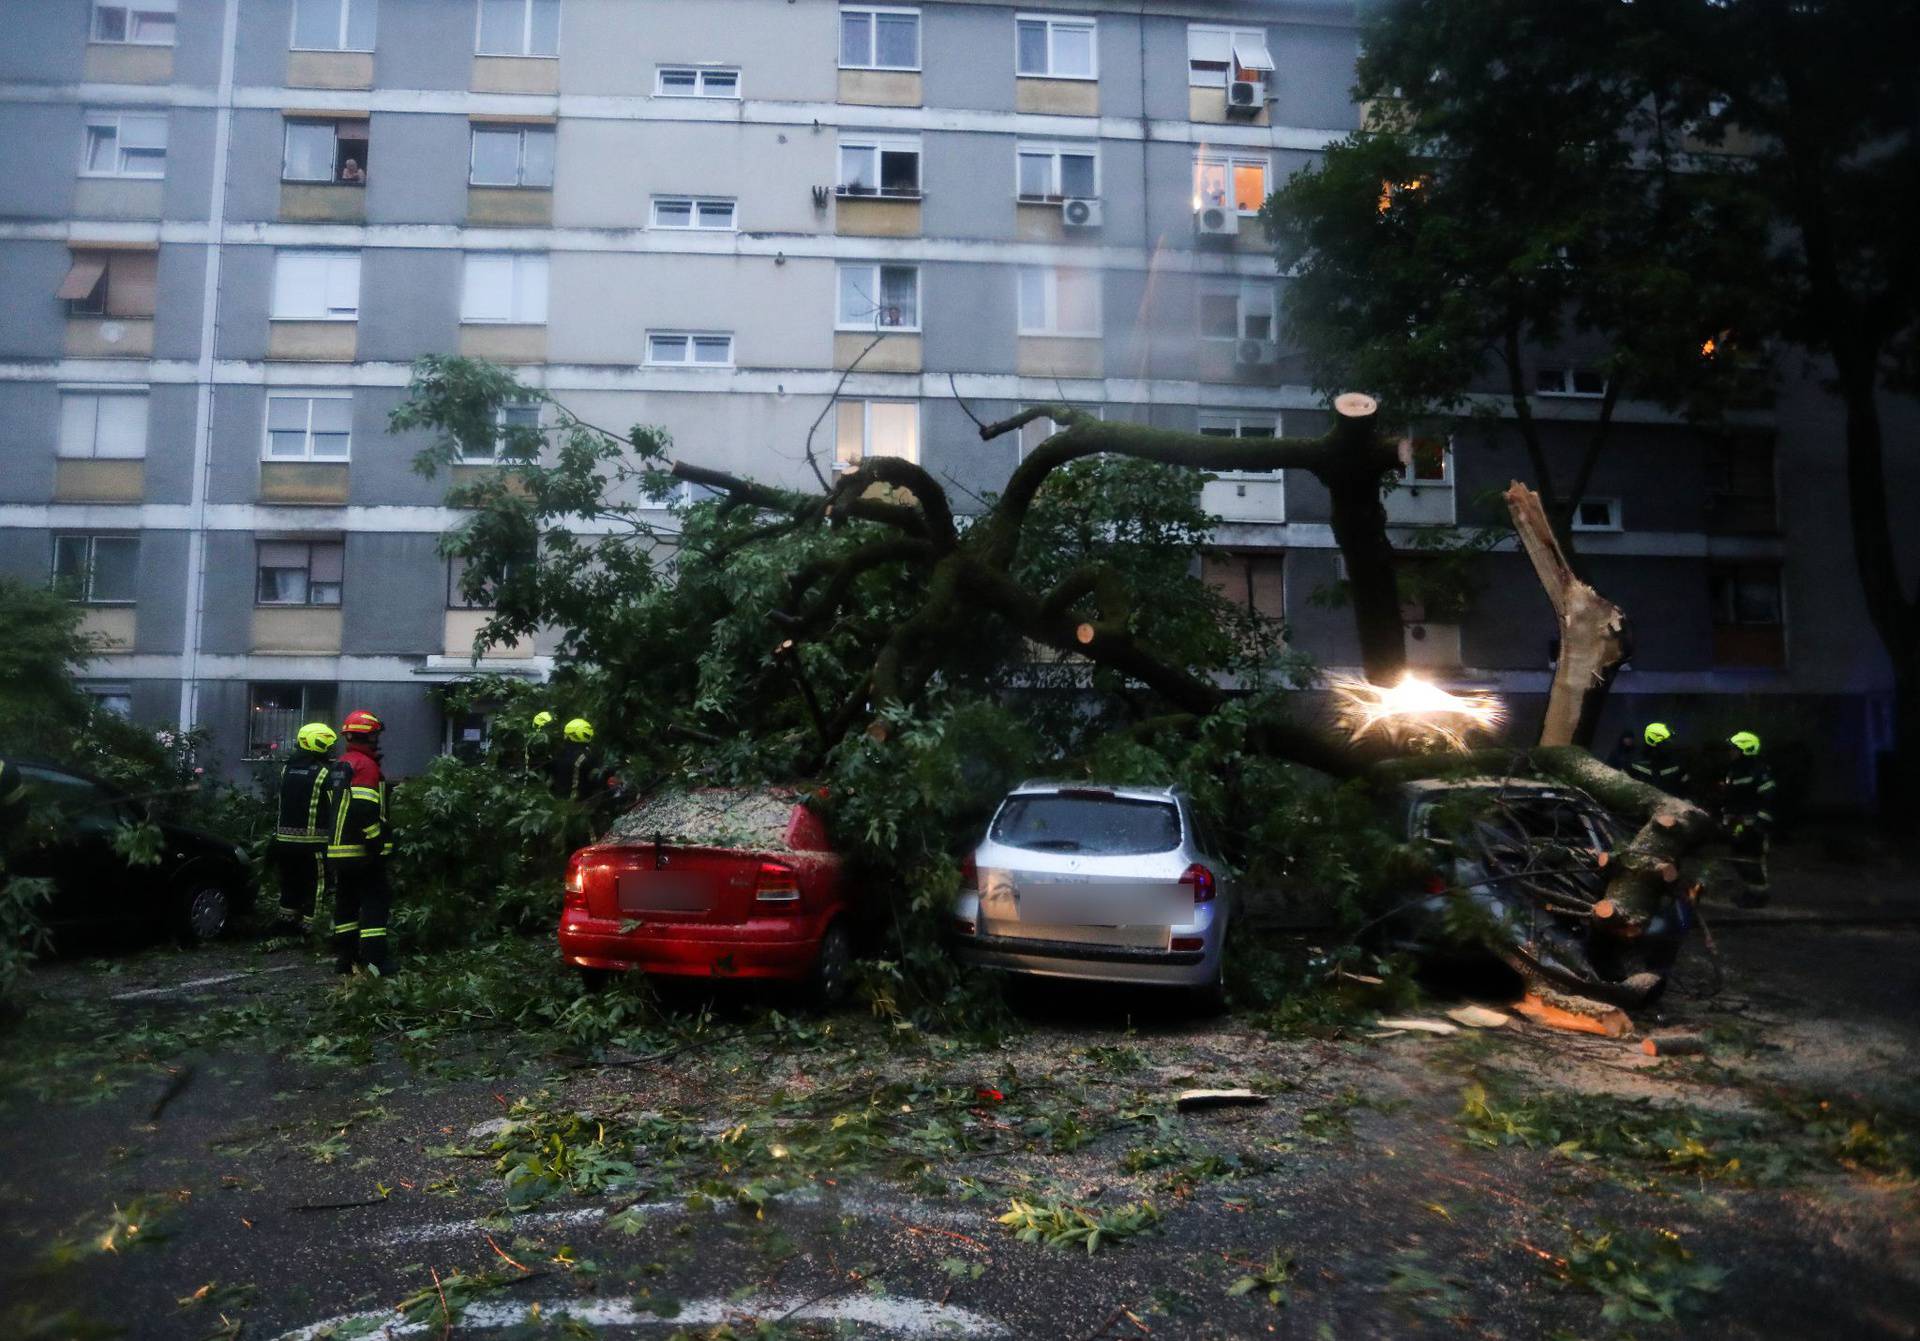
[304,822]
[351,171]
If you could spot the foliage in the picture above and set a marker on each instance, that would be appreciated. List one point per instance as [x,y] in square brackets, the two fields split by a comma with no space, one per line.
[22,934]
[1642,1277]
[1061,1224]
[1271,1280]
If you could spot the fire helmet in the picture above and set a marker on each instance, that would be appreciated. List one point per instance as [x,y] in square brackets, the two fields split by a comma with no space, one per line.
[1657,733]
[1745,742]
[360,722]
[579,729]
[316,737]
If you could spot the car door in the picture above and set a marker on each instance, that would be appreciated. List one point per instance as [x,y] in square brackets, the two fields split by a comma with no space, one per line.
[93,883]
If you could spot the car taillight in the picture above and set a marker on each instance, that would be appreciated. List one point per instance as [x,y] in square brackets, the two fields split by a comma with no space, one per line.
[964,926]
[777,883]
[969,875]
[576,882]
[1202,881]
[1188,943]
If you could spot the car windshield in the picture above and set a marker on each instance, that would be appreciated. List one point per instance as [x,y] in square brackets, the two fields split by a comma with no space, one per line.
[751,818]
[1103,826]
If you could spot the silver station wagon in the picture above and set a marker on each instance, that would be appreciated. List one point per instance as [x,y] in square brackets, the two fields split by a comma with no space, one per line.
[1111,884]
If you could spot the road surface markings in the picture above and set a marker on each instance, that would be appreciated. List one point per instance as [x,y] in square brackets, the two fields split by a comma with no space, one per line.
[173,989]
[896,1315]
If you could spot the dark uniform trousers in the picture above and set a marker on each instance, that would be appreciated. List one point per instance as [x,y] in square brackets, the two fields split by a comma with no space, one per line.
[302,870]
[300,840]
[357,858]
[1747,805]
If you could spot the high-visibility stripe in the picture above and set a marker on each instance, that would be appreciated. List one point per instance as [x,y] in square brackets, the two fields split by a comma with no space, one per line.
[314,798]
[1767,786]
[346,850]
[371,831]
[1763,815]
[369,932]
[366,794]
[299,839]
[341,928]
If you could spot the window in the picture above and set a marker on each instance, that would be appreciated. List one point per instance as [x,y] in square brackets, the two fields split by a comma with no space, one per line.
[1214,53]
[457,599]
[1058,301]
[1597,514]
[126,144]
[1036,431]
[692,348]
[875,428]
[511,156]
[316,286]
[512,425]
[1255,580]
[879,39]
[1236,179]
[300,572]
[103,425]
[304,427]
[696,81]
[519,28]
[143,23]
[1057,171]
[114,698]
[111,283]
[882,297]
[1236,310]
[1425,461]
[505,287]
[887,167]
[96,569]
[276,712]
[1749,625]
[334,25]
[696,212]
[1052,48]
[1571,382]
[325,151]
[1741,496]
[1241,424]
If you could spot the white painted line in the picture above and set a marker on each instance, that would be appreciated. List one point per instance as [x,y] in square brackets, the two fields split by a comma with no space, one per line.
[175,989]
[895,1316]
[454,1229]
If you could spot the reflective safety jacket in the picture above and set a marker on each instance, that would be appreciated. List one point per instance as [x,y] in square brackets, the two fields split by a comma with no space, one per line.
[1659,766]
[360,830]
[576,772]
[1746,793]
[306,813]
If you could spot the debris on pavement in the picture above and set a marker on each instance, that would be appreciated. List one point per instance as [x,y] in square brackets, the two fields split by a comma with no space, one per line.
[1673,1045]
[1189,1100]
[1607,1022]
[1479,1017]
[1420,1026]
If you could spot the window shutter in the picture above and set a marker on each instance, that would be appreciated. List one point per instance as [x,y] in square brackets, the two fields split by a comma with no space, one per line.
[78,418]
[122,431]
[328,562]
[131,283]
[488,294]
[84,277]
[1250,52]
[1215,47]
[343,285]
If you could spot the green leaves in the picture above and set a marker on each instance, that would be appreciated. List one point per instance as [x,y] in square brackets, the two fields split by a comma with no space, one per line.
[1643,1276]
[1061,1225]
[1270,1280]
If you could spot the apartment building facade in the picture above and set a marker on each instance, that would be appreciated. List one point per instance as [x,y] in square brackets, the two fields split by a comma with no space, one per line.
[227,227]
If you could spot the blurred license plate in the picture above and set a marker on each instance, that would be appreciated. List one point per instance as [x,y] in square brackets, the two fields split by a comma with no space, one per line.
[663,892]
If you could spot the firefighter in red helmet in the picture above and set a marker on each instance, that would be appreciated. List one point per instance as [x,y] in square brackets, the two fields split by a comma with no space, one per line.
[357,853]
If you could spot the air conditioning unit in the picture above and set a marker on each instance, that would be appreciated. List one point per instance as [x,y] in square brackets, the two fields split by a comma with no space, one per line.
[1256,353]
[1080,213]
[1216,221]
[1246,96]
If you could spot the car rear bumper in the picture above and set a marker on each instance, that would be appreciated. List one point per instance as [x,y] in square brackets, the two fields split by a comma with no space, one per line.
[1094,963]
[783,948]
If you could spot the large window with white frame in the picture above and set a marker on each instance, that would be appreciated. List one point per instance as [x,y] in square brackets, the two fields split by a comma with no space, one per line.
[1237,309]
[1230,179]
[1217,55]
[696,81]
[96,569]
[878,297]
[867,428]
[518,28]
[334,25]
[103,425]
[710,214]
[309,426]
[1047,171]
[879,37]
[326,151]
[316,286]
[125,144]
[1242,424]
[882,165]
[300,572]
[690,349]
[1590,383]
[1049,46]
[145,23]
[514,437]
[1058,300]
[276,712]
[505,287]
[1426,462]
[511,156]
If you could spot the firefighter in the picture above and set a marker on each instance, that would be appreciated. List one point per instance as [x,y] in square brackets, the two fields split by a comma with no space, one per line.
[1746,811]
[536,753]
[357,854]
[300,838]
[1657,762]
[575,772]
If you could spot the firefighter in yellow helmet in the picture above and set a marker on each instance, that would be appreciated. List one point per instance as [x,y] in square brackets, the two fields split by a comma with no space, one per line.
[1746,794]
[1656,760]
[536,752]
[303,826]
[576,772]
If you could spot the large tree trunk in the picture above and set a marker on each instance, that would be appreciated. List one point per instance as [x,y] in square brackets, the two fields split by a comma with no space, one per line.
[1593,631]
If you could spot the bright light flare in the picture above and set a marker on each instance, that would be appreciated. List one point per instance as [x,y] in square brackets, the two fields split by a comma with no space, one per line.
[1414,710]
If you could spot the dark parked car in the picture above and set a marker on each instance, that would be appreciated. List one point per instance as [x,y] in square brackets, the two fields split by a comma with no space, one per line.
[1521,866]
[199,887]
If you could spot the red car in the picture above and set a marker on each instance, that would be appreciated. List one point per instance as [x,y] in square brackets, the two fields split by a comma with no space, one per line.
[716,883]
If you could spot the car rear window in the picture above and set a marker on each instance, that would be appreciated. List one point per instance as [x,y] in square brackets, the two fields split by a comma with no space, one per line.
[1108,826]
[757,818]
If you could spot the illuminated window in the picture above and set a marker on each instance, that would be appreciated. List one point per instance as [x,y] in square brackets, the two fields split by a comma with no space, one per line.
[1239,180]
[1055,300]
[879,297]
[865,428]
